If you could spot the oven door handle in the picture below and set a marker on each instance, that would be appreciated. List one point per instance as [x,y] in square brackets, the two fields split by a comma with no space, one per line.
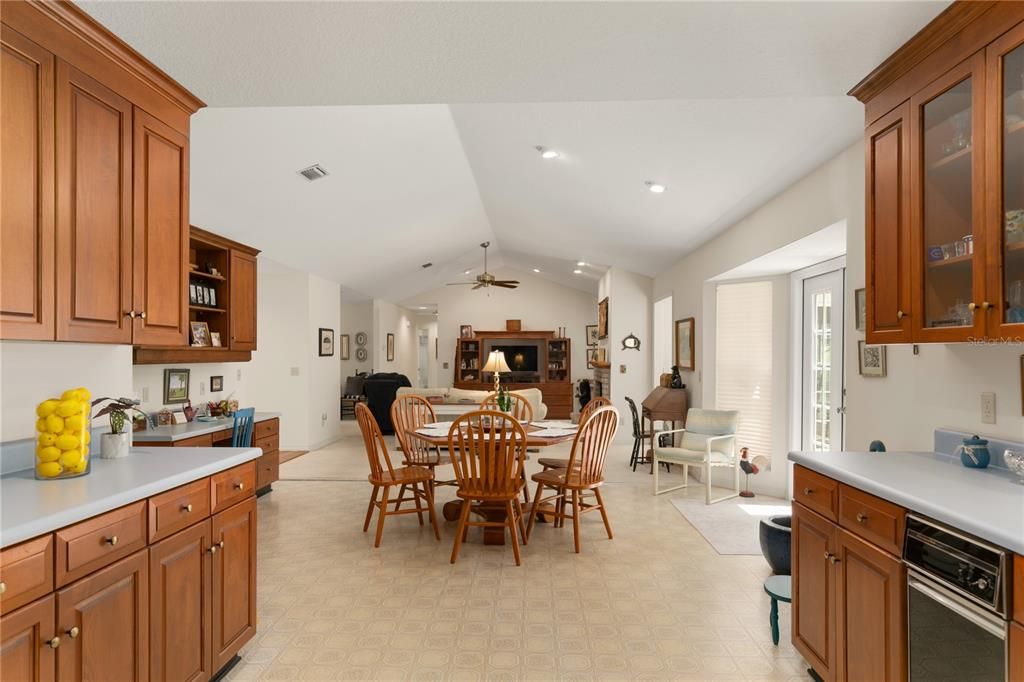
[963,608]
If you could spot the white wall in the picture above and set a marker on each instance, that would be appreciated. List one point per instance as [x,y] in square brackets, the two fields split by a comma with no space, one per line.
[629,312]
[31,372]
[356,317]
[324,376]
[540,304]
[148,384]
[389,318]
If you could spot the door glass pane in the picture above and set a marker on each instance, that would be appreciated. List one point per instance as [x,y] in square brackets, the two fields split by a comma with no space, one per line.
[821,369]
[947,203]
[1013,184]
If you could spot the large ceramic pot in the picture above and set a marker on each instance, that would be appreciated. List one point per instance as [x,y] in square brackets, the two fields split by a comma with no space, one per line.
[776,534]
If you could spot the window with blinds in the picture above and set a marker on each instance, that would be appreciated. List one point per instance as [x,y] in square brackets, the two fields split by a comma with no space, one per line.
[743,361]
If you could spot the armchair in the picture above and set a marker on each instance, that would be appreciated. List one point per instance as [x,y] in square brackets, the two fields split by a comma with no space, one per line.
[709,440]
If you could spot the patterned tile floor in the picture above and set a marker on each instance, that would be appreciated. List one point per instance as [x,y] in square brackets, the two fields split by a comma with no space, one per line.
[657,602]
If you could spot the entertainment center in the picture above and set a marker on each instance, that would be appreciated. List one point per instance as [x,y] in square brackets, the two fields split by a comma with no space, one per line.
[539,359]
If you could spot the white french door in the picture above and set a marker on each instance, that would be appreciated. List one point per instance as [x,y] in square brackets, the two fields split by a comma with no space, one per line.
[822,402]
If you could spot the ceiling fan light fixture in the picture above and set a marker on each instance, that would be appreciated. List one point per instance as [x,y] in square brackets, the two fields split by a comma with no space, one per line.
[655,187]
[536,269]
[577,271]
[547,154]
[580,264]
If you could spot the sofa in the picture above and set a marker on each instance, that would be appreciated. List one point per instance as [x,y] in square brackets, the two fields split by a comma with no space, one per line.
[456,396]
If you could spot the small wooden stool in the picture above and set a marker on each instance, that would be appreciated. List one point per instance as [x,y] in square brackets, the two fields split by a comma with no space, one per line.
[779,588]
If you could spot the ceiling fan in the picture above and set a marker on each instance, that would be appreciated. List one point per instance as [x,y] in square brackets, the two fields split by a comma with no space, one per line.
[486,279]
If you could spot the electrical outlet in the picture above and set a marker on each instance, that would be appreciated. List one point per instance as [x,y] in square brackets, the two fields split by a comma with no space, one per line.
[295,371]
[622,369]
[323,418]
[202,388]
[445,365]
[238,375]
[988,408]
[145,394]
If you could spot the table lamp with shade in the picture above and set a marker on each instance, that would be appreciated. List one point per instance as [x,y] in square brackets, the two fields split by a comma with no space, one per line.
[496,364]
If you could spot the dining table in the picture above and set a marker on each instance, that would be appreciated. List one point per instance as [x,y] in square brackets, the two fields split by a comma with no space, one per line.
[535,438]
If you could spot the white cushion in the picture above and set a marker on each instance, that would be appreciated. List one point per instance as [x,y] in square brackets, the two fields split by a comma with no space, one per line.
[453,396]
[423,392]
[669,454]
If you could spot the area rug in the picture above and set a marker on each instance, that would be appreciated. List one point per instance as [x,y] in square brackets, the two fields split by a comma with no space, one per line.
[731,527]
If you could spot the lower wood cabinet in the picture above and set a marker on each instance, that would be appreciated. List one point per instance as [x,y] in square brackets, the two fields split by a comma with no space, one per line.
[103,624]
[234,580]
[26,636]
[814,592]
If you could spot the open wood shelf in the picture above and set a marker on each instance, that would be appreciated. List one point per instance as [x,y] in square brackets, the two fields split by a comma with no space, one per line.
[952,161]
[206,275]
[206,309]
[950,262]
[188,354]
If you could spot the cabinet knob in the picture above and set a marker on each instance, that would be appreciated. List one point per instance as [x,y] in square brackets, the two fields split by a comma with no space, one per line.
[986,305]
[3,587]
[73,632]
[186,508]
[216,546]
[240,486]
[972,306]
[213,549]
[53,643]
[861,517]
[900,314]
[832,558]
[112,540]
[808,491]
[142,314]
[129,313]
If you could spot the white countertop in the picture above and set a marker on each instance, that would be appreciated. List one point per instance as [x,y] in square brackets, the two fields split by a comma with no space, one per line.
[29,508]
[173,432]
[988,503]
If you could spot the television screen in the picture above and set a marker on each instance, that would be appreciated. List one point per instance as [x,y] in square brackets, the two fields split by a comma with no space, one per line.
[519,358]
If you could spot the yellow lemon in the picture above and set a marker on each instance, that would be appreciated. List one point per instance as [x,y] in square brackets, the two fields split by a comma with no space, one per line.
[47,439]
[75,422]
[70,394]
[71,458]
[86,437]
[85,450]
[86,407]
[46,408]
[41,426]
[54,424]
[47,454]
[67,442]
[48,469]
[66,408]
[77,468]
[83,393]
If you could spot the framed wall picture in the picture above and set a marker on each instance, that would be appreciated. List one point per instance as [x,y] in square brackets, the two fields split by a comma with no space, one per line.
[175,386]
[602,318]
[192,293]
[870,359]
[591,334]
[684,343]
[391,347]
[591,357]
[860,304]
[326,342]
[466,331]
[216,384]
[344,346]
[200,333]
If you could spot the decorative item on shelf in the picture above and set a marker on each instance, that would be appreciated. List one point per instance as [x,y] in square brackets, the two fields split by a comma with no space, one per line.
[188,411]
[684,343]
[665,381]
[870,359]
[214,410]
[164,417]
[504,400]
[677,379]
[200,333]
[465,331]
[1015,463]
[391,347]
[326,342]
[140,421]
[591,357]
[117,443]
[860,309]
[631,342]
[876,446]
[496,365]
[216,383]
[602,318]
[62,446]
[591,334]
[1014,226]
[175,386]
[344,351]
[513,325]
[215,340]
[750,465]
[974,452]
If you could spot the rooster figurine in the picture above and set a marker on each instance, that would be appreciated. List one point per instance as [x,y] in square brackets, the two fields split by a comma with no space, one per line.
[748,468]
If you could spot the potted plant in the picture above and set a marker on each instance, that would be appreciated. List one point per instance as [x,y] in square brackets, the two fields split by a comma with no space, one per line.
[504,400]
[116,444]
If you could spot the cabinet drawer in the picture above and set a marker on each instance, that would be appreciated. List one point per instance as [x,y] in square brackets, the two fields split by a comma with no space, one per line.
[231,486]
[816,492]
[267,427]
[26,572]
[871,518]
[204,441]
[267,443]
[176,509]
[90,545]
[268,468]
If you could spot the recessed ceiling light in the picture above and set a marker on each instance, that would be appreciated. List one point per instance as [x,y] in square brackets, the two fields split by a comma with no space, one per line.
[546,153]
[466,272]
[655,187]
[536,269]
[577,271]
[580,264]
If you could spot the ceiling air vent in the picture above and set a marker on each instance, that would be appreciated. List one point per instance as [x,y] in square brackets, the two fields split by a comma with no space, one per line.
[314,172]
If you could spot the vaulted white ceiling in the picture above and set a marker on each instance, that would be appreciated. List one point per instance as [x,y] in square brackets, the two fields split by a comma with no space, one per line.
[426,115]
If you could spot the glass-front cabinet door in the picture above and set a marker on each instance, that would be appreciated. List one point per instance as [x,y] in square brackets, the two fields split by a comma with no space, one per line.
[1005,61]
[947,172]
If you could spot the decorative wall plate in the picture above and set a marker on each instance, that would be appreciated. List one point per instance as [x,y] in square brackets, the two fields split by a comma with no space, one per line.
[360,338]
[631,342]
[361,354]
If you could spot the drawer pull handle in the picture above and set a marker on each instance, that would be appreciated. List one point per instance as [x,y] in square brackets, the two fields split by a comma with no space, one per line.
[73,632]
[215,547]
[862,517]
[186,508]
[900,314]
[808,491]
[240,486]
[832,558]
[112,540]
[53,643]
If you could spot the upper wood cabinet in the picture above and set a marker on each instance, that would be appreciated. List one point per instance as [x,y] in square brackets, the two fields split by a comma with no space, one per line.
[243,301]
[26,185]
[945,180]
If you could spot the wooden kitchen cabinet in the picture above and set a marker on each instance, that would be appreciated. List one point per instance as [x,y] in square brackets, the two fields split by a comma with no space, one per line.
[234,580]
[27,646]
[26,183]
[944,153]
[243,301]
[103,623]
[814,593]
[180,606]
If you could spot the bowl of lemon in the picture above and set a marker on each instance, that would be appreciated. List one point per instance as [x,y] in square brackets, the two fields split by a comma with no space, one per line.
[64,435]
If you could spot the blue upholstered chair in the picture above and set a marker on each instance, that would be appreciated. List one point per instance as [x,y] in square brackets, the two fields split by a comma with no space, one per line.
[709,440]
[241,437]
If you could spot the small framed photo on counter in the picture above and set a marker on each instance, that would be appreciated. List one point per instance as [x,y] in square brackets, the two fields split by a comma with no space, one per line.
[200,333]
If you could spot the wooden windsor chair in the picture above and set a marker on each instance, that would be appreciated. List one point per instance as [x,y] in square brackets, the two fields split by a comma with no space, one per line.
[590,408]
[408,413]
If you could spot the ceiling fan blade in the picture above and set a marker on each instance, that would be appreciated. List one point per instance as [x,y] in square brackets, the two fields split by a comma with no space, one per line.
[479,284]
[506,281]
[457,284]
[507,285]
